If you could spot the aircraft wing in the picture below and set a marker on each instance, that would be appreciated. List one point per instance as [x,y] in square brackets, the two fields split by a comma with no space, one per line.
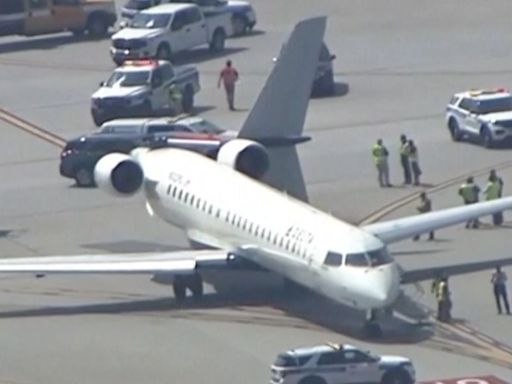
[178,262]
[416,275]
[404,228]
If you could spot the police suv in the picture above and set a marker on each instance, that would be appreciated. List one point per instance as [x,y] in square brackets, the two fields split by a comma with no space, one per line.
[485,115]
[340,364]
[141,88]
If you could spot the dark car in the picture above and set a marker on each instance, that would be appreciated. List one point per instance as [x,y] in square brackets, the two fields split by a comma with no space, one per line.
[80,155]
[323,84]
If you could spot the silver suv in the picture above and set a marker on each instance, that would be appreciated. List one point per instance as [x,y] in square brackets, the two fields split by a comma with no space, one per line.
[340,364]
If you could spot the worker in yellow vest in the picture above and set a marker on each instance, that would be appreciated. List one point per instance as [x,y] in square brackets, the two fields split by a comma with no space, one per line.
[444,304]
[380,158]
[469,192]
[492,191]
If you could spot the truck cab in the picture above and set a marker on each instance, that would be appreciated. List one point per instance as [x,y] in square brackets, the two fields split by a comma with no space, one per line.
[37,17]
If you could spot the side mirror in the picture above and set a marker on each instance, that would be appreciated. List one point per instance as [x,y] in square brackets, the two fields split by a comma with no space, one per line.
[102,84]
[123,24]
[332,57]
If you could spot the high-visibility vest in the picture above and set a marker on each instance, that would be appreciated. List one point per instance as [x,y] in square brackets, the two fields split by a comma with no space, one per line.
[379,154]
[440,290]
[492,190]
[404,149]
[469,192]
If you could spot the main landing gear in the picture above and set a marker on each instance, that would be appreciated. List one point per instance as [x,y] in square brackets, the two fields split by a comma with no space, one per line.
[193,282]
[372,328]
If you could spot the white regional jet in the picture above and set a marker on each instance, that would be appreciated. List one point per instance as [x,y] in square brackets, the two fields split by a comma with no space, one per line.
[240,206]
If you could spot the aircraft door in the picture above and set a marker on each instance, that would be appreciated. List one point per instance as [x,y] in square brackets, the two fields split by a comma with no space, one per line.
[40,17]
[69,14]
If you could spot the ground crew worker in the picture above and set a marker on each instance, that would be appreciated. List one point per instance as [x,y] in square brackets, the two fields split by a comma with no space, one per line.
[500,182]
[229,76]
[425,206]
[469,192]
[380,157]
[499,281]
[444,304]
[175,99]
[404,159]
[492,192]
[415,166]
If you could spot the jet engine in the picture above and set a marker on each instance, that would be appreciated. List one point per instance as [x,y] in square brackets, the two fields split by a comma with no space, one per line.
[119,174]
[245,156]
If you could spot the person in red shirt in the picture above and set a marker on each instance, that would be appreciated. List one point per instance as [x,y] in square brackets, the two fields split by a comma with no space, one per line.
[229,77]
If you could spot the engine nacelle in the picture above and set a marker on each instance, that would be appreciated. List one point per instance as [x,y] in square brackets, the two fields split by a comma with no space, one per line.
[119,174]
[245,156]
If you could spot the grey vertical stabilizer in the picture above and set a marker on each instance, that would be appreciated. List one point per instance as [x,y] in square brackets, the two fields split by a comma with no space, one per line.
[280,110]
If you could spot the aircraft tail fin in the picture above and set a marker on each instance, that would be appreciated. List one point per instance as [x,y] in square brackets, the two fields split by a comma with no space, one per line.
[280,110]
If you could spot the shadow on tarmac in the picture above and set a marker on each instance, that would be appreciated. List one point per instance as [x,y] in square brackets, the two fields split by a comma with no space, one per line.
[250,298]
[199,55]
[45,42]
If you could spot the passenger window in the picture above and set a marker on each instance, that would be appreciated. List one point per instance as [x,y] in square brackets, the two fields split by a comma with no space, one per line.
[185,198]
[333,259]
[331,358]
[217,214]
[38,4]
[180,194]
[193,16]
[227,216]
[167,72]
[66,2]
[192,198]
[204,205]
[174,189]
[210,209]
[179,21]
[354,357]
[9,7]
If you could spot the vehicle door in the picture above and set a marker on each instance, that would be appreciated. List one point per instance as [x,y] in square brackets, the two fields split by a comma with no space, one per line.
[159,92]
[332,368]
[195,28]
[361,368]
[40,17]
[178,32]
[69,14]
[467,115]
[12,17]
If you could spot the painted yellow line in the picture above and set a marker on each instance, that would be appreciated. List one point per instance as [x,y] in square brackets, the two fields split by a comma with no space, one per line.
[31,128]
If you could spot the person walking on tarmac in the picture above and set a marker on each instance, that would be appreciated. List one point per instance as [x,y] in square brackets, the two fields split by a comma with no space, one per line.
[469,192]
[415,166]
[492,191]
[404,159]
[499,282]
[425,206]
[229,76]
[175,99]
[380,157]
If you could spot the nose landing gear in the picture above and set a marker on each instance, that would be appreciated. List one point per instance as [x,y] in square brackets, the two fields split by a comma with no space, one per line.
[372,328]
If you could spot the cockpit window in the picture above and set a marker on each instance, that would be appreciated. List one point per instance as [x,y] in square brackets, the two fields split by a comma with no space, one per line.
[379,257]
[357,260]
[333,259]
[371,258]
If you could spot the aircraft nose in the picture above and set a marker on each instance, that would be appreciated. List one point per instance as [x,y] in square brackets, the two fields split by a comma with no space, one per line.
[385,285]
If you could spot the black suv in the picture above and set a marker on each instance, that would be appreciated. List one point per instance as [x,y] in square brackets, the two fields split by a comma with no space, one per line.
[79,156]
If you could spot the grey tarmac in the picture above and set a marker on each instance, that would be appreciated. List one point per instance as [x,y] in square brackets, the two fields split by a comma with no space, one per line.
[398,62]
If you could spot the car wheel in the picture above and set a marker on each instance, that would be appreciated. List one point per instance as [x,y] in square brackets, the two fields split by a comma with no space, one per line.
[164,52]
[187,102]
[218,41]
[84,177]
[455,132]
[312,380]
[240,26]
[486,138]
[97,26]
[396,377]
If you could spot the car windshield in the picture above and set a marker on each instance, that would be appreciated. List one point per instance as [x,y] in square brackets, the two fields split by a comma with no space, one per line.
[369,259]
[148,20]
[205,126]
[138,4]
[128,79]
[500,104]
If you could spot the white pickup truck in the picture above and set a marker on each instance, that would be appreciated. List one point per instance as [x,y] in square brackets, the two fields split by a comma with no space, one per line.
[162,31]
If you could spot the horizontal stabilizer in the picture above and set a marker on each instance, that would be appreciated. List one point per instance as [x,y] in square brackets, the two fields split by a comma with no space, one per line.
[417,275]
